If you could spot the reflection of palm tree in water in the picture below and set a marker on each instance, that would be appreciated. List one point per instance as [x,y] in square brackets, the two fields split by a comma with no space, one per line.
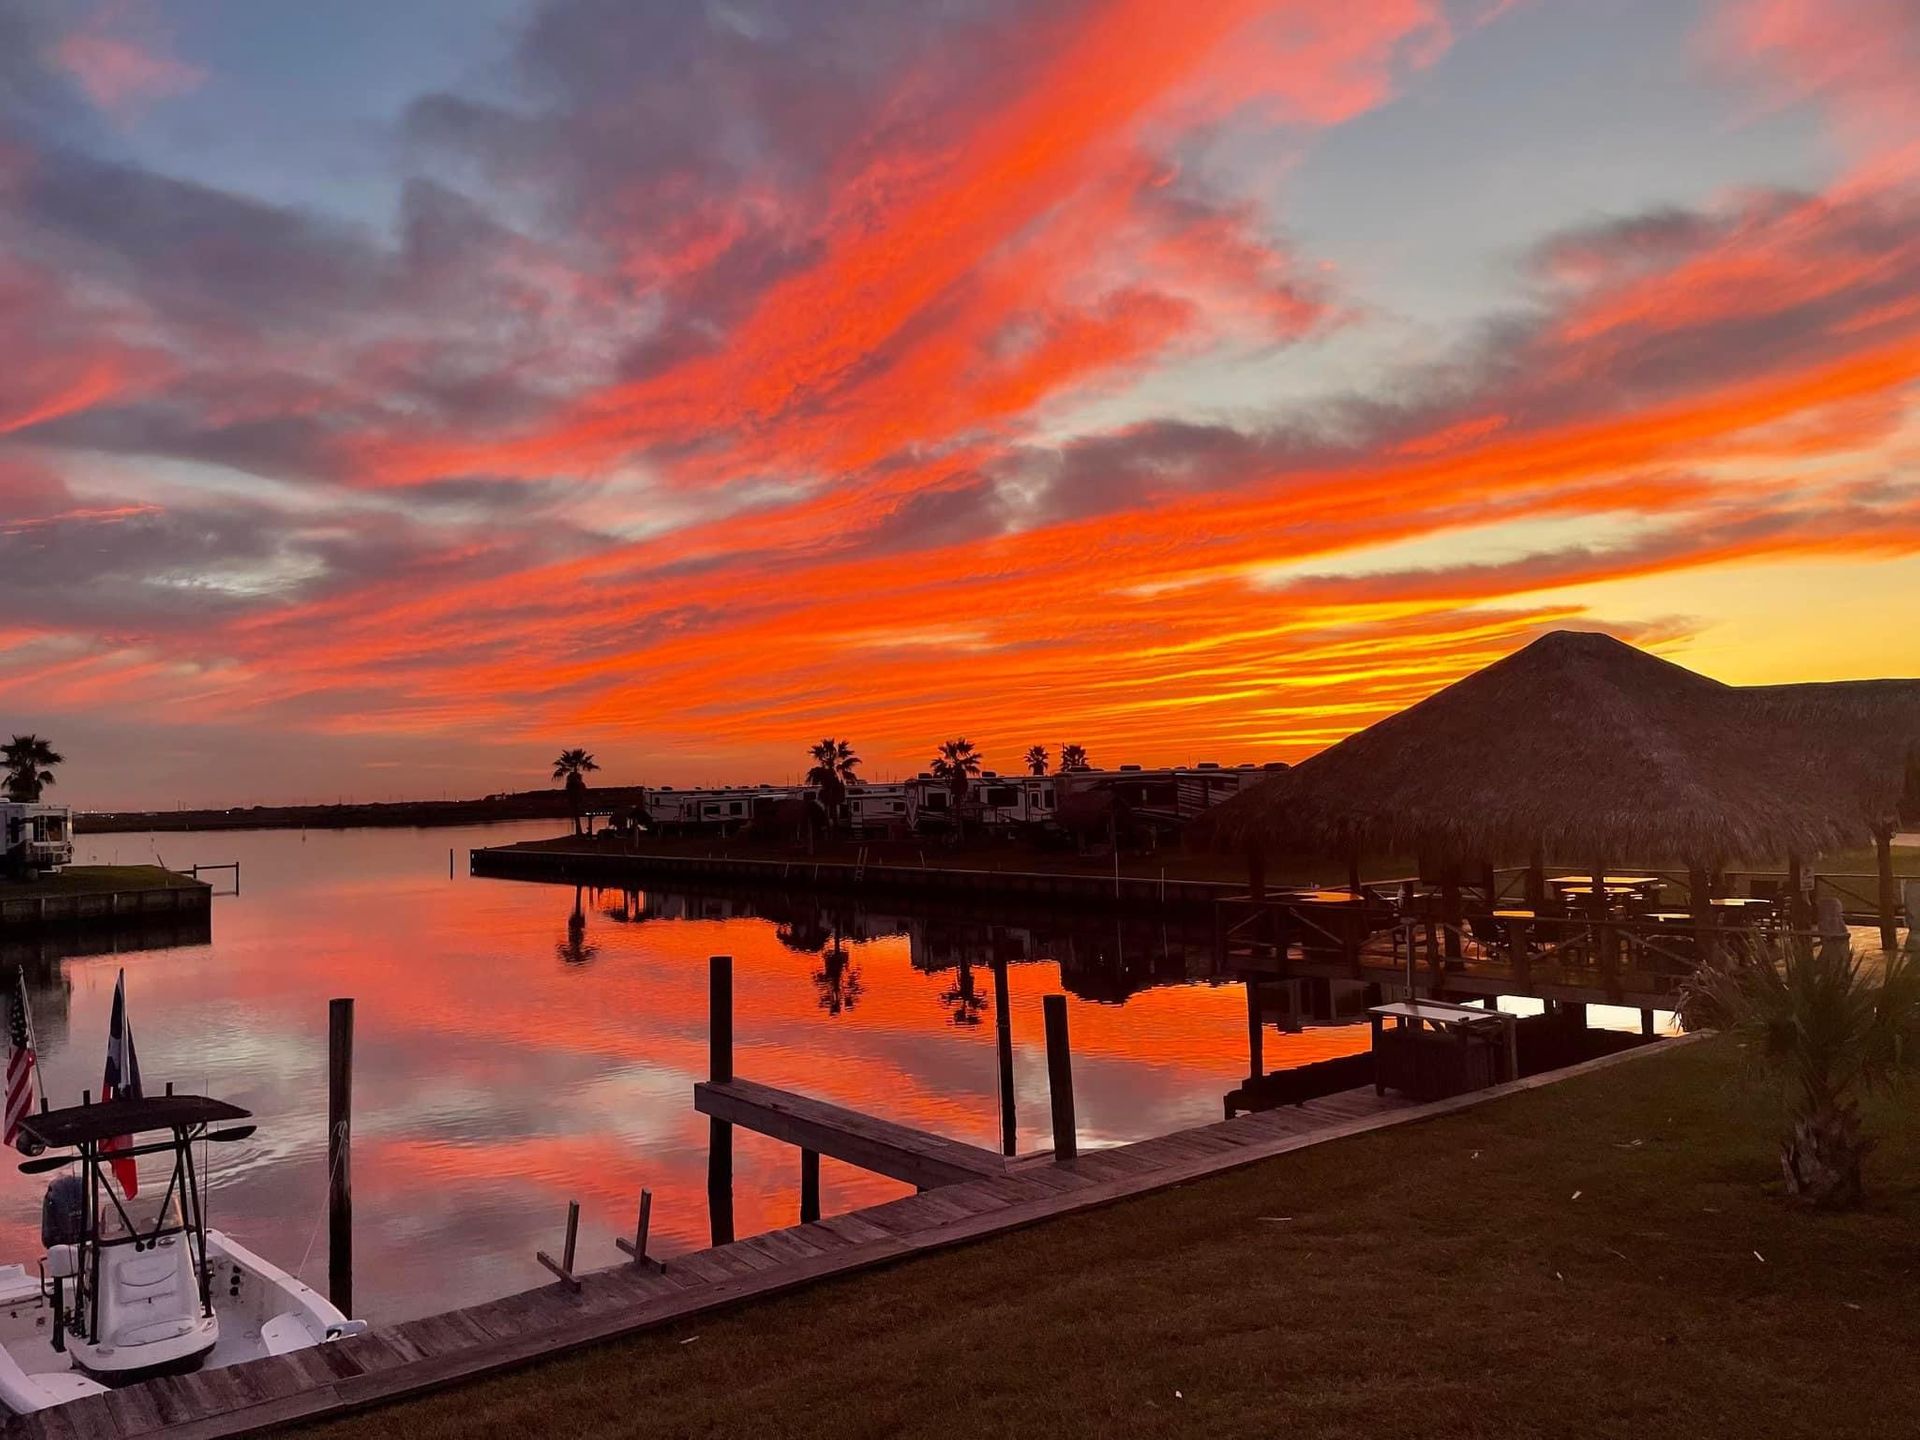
[575,950]
[967,1002]
[838,980]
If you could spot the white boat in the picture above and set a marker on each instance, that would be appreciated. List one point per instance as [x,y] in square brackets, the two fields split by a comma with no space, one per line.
[129,1289]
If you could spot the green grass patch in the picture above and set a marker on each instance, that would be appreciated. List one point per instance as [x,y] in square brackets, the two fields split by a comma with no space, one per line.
[1609,1256]
[96,880]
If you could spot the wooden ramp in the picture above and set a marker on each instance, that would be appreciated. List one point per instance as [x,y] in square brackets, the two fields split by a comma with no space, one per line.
[915,1157]
[422,1355]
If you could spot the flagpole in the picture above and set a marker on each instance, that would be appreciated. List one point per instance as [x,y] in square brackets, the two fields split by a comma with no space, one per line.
[33,1041]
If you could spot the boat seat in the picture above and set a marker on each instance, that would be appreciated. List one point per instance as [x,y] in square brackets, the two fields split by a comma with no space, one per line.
[151,1294]
[285,1332]
[17,1287]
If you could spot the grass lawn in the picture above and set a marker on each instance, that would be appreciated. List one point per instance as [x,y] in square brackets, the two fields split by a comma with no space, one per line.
[94,879]
[1606,1257]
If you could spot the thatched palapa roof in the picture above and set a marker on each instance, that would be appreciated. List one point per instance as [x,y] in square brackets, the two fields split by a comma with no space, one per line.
[1596,751]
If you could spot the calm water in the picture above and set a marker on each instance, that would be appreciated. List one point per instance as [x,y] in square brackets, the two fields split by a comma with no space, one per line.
[521,1045]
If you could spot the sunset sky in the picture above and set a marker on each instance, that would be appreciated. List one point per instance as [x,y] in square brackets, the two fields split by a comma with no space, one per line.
[392,393]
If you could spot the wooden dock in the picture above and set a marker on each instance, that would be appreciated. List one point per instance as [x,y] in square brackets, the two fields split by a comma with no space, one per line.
[899,1152]
[418,1356]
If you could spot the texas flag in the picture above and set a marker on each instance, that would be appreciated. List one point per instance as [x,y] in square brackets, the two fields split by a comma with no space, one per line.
[122,1082]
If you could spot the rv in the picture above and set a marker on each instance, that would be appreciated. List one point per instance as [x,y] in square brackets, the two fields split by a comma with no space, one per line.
[1167,796]
[36,837]
[714,811]
[874,810]
[993,802]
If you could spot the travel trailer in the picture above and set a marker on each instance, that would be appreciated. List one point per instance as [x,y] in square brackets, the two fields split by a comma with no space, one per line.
[1167,796]
[874,810]
[36,837]
[717,811]
[994,801]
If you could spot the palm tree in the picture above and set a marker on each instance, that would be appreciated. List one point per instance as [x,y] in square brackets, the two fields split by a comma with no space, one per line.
[1828,1028]
[574,950]
[572,767]
[833,774]
[29,762]
[1036,759]
[837,983]
[957,764]
[1073,757]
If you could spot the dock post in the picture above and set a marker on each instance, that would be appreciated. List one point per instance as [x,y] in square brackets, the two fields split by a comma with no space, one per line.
[1256,1032]
[720,1071]
[1060,1077]
[1646,1022]
[340,1154]
[809,1186]
[637,1247]
[564,1269]
[1003,1046]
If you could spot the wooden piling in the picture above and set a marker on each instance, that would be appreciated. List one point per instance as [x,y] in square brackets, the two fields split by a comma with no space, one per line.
[340,1154]
[1256,1032]
[809,1186]
[1003,1048]
[720,1070]
[1060,1077]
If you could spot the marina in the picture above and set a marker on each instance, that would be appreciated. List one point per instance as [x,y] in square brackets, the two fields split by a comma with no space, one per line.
[626,1299]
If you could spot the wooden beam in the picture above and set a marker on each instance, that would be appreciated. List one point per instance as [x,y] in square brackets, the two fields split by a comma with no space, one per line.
[897,1151]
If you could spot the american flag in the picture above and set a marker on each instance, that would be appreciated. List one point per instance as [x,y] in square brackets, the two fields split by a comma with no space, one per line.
[122,1082]
[21,1063]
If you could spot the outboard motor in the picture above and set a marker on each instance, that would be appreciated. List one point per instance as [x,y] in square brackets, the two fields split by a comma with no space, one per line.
[63,1212]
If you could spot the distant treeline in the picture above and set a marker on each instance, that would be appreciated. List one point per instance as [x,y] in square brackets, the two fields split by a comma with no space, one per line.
[522,805]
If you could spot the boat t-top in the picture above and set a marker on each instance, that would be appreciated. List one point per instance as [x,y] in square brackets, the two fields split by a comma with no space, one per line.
[133,1288]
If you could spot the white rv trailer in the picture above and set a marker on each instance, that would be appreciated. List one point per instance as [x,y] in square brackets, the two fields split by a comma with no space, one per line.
[993,801]
[1172,794]
[875,809]
[717,810]
[34,836]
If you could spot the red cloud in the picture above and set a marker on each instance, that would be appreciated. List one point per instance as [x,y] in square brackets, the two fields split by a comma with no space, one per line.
[116,72]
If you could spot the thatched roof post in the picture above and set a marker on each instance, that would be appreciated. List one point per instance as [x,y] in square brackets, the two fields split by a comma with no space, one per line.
[1537,880]
[1700,902]
[1799,911]
[1256,870]
[1603,937]
[1883,862]
[1451,914]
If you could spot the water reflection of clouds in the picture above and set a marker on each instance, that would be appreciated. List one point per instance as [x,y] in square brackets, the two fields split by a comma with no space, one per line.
[494,1081]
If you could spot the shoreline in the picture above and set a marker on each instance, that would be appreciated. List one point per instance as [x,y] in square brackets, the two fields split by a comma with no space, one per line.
[416,814]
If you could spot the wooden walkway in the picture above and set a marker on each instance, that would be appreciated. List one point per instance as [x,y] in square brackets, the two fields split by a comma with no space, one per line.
[417,1356]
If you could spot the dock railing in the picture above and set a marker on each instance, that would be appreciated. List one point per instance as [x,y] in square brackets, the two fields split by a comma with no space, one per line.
[1485,949]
